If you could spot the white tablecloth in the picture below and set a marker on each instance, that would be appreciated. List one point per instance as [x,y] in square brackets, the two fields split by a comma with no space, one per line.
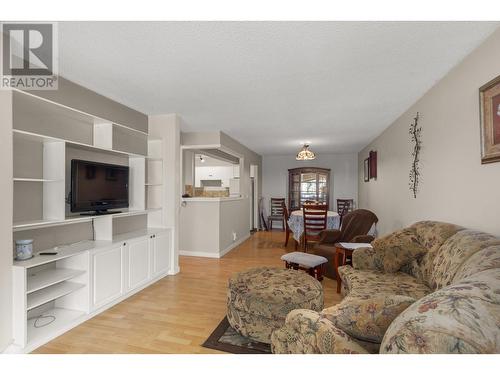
[296,222]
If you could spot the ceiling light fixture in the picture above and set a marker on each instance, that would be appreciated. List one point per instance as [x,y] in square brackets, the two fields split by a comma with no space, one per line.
[305,154]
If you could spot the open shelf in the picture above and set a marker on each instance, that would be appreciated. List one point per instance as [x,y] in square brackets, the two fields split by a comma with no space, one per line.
[45,223]
[36,224]
[46,139]
[55,109]
[21,179]
[48,277]
[51,293]
[64,318]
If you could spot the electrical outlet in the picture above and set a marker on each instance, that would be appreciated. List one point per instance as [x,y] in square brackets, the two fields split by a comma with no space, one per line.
[235,236]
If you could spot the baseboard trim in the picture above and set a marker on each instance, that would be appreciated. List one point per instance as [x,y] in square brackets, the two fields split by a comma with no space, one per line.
[9,348]
[220,254]
[233,245]
[174,271]
[199,254]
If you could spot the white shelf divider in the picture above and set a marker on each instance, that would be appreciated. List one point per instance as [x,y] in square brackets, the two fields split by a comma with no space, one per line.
[51,293]
[22,179]
[54,159]
[49,277]
[137,179]
[103,134]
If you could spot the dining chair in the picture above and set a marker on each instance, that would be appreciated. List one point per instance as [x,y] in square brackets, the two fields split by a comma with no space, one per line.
[314,202]
[262,218]
[276,211]
[286,216]
[308,201]
[315,220]
[344,206]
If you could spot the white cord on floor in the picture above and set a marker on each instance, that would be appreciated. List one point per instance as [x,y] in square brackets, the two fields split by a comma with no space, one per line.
[37,318]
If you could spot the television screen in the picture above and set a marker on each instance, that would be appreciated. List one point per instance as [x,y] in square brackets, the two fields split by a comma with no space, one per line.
[98,186]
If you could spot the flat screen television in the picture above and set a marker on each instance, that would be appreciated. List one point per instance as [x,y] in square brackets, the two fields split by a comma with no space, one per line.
[98,187]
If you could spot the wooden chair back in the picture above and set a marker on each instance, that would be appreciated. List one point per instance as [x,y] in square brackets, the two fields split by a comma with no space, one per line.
[309,202]
[315,220]
[286,216]
[345,205]
[276,207]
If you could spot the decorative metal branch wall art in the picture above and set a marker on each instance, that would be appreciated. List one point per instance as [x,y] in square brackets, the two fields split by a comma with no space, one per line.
[416,139]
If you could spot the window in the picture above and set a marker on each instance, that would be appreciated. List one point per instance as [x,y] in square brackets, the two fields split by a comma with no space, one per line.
[307,184]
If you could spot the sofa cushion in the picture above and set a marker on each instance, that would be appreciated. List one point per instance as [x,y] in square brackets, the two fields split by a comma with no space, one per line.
[454,252]
[305,331]
[459,318]
[367,319]
[398,249]
[431,235]
[483,260]
[366,258]
[368,283]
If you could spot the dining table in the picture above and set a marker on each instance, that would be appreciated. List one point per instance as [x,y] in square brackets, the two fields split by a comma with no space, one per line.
[296,223]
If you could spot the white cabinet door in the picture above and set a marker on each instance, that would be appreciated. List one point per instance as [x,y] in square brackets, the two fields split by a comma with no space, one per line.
[160,248]
[107,275]
[138,263]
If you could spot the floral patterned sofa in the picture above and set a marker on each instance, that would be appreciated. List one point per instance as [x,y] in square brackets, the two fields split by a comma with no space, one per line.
[430,288]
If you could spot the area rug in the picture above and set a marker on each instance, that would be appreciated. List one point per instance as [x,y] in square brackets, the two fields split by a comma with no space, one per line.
[226,339]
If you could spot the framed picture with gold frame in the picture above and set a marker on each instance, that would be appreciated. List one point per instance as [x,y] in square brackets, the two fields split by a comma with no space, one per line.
[489,101]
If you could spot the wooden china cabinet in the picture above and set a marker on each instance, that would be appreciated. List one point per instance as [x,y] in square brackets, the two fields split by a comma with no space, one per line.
[307,184]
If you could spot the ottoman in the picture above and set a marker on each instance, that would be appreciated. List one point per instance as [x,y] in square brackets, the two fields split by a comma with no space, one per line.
[259,299]
[313,264]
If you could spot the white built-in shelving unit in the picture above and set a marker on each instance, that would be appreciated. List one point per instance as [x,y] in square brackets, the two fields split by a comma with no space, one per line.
[88,276]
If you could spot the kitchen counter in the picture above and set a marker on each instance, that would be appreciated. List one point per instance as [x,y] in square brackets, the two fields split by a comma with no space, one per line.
[210,199]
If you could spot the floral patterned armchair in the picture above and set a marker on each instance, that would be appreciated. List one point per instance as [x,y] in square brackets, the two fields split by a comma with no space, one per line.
[430,288]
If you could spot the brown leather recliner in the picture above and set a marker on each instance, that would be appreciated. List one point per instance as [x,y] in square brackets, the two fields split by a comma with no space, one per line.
[355,228]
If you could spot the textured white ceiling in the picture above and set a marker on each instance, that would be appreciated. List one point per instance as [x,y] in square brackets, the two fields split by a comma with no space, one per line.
[270,85]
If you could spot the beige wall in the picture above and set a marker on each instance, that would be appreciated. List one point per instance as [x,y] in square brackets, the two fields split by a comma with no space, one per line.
[199,228]
[455,186]
[207,226]
[230,221]
[6,219]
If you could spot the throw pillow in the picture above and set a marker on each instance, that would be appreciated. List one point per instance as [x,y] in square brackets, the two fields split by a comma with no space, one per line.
[398,249]
[367,319]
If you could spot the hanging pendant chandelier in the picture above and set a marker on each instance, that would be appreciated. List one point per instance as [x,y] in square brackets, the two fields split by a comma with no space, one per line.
[305,154]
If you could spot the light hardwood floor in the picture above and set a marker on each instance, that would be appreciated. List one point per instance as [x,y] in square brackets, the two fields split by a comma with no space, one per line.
[178,313]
